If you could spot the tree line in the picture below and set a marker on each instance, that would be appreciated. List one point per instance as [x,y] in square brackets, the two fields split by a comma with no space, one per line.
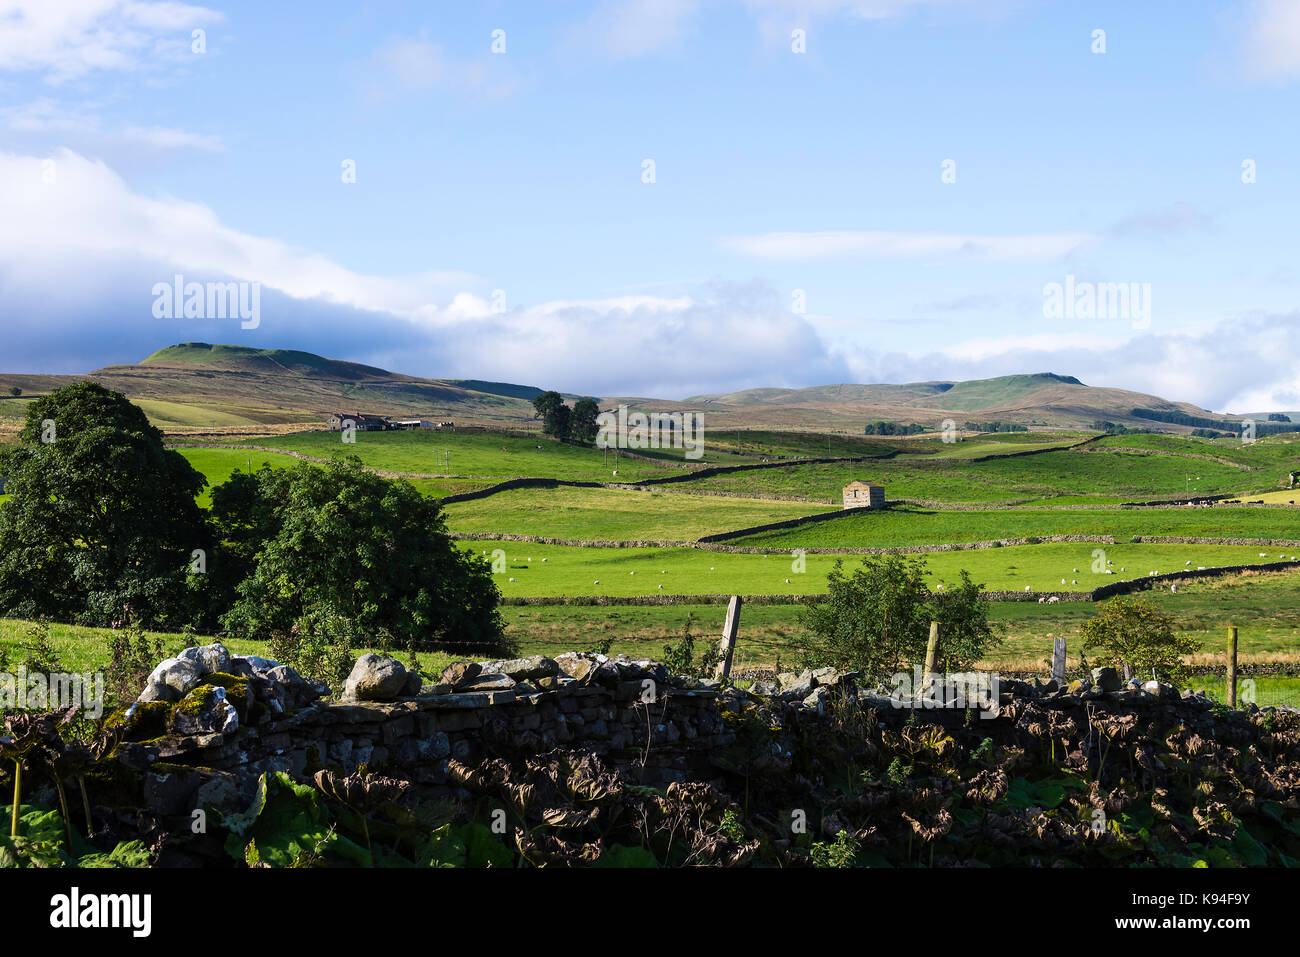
[568,424]
[103,529]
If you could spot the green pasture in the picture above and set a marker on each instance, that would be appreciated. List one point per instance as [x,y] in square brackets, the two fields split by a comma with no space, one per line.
[496,455]
[217,465]
[919,526]
[616,515]
[1264,607]
[1106,476]
[622,572]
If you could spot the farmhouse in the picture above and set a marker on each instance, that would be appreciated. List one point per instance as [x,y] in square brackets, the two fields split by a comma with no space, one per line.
[362,423]
[864,495]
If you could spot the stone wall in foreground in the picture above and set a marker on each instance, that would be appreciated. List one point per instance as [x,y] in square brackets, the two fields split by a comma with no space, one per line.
[627,711]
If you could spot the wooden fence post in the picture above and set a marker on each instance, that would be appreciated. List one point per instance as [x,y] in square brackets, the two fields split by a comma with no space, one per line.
[729,630]
[931,652]
[1058,659]
[1232,666]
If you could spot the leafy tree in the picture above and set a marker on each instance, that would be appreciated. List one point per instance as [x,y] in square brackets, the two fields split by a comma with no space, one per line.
[583,427]
[102,520]
[965,632]
[555,415]
[1134,631]
[877,618]
[15,391]
[341,543]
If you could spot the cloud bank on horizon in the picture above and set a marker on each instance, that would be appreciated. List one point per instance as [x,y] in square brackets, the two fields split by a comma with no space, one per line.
[534,233]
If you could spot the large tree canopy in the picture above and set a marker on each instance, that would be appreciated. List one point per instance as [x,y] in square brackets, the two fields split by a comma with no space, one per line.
[341,541]
[555,415]
[102,520]
[876,619]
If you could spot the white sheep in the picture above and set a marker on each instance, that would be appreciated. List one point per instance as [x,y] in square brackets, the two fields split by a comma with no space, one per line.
[512,579]
[1053,600]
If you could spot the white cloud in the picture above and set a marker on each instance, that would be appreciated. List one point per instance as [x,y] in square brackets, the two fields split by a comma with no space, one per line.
[88,212]
[633,28]
[401,66]
[1243,364]
[79,256]
[66,39]
[45,115]
[1272,44]
[848,244]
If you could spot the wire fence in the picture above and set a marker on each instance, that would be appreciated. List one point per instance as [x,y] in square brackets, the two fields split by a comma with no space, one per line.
[1264,692]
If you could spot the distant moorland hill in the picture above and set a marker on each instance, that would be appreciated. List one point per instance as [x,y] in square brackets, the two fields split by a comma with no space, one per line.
[197,386]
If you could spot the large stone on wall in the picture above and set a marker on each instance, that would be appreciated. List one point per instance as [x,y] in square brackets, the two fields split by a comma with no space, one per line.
[524,669]
[210,659]
[1106,679]
[177,674]
[460,673]
[583,666]
[375,679]
[205,710]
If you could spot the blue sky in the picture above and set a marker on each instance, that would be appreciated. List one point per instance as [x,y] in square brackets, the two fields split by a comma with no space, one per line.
[798,231]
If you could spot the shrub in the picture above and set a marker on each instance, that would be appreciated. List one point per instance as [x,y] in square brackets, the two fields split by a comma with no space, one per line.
[877,618]
[1133,631]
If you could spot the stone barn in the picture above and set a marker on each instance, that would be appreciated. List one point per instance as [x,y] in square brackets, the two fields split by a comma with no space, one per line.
[864,495]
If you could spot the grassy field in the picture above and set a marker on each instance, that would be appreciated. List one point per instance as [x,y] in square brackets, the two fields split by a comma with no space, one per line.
[1265,607]
[1105,476]
[919,526]
[572,570]
[616,515]
[494,454]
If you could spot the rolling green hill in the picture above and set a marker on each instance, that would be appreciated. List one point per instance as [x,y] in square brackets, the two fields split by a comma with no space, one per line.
[199,386]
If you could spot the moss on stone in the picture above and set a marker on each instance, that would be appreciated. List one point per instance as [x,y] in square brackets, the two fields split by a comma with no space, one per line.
[145,720]
[239,692]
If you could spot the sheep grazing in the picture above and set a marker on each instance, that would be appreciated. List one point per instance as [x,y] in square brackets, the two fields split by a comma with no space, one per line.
[661,587]
[1074,581]
[596,582]
[1174,588]
[787,581]
[1062,581]
[1026,588]
[1041,599]
[512,579]
[1053,600]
